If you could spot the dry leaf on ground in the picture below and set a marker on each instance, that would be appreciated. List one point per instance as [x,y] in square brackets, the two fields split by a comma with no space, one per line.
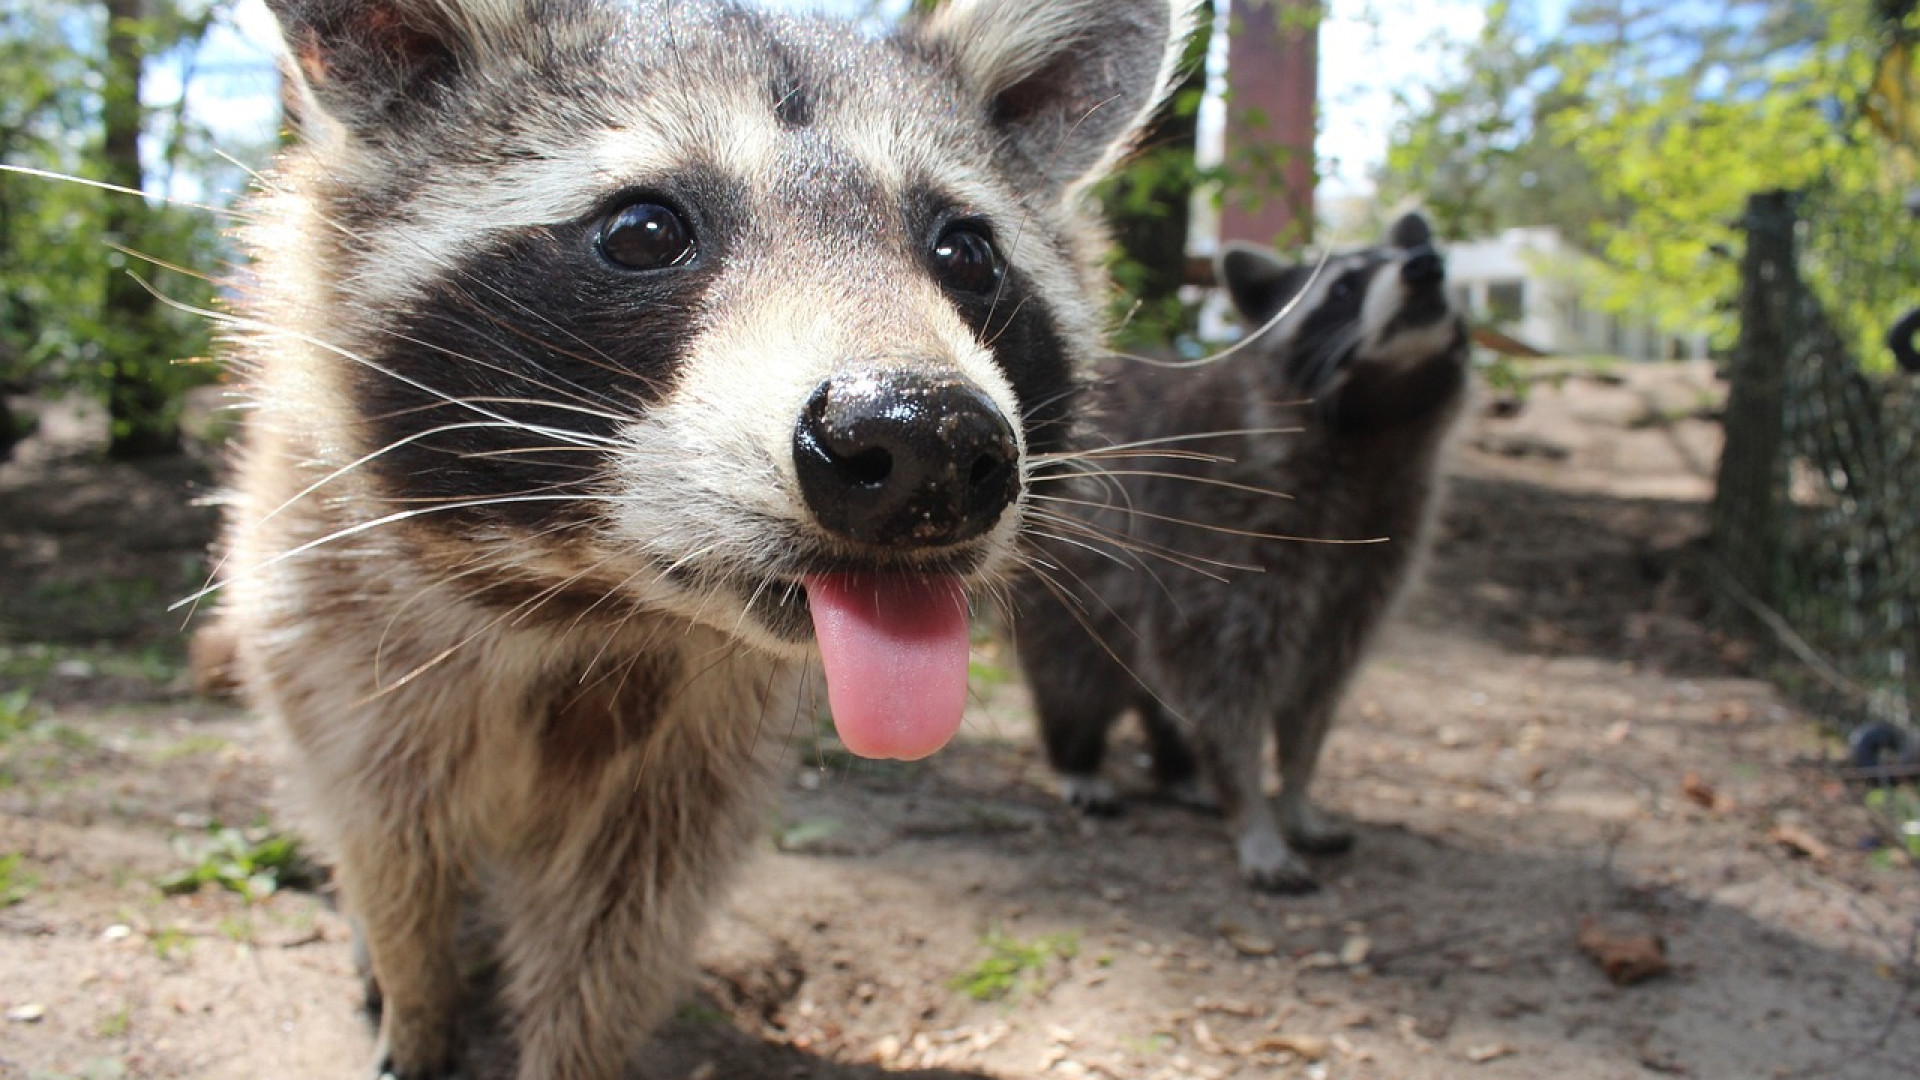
[1626,958]
[1798,841]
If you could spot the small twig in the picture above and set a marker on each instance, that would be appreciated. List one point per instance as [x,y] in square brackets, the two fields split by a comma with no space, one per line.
[1616,835]
[1381,960]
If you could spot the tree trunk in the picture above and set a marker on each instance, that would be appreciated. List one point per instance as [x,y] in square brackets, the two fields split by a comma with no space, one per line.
[139,405]
[1150,203]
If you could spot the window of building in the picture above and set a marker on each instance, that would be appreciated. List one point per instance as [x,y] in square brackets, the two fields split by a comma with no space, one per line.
[1506,301]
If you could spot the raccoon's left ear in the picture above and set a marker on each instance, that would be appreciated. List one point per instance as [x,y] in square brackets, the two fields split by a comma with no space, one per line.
[1069,82]
[1258,281]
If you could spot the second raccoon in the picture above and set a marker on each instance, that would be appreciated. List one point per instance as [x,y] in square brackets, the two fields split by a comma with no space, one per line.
[1192,581]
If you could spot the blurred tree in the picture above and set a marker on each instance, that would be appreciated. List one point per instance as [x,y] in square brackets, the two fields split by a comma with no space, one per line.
[43,99]
[1475,153]
[1689,109]
[1641,127]
[1148,203]
[72,318]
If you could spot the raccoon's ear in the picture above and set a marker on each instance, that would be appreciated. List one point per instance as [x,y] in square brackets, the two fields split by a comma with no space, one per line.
[367,63]
[1068,82]
[1411,231]
[1258,281]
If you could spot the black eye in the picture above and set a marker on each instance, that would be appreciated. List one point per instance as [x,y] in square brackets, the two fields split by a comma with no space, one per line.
[1344,289]
[646,236]
[965,261]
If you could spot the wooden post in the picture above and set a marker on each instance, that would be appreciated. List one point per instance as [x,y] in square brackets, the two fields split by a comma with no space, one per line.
[1273,78]
[1750,494]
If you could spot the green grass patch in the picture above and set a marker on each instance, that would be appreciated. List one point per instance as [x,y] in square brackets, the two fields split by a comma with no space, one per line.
[806,833]
[16,881]
[16,714]
[700,1014]
[1012,966]
[115,1024]
[1147,1046]
[34,664]
[254,863]
[171,943]
[192,746]
[985,675]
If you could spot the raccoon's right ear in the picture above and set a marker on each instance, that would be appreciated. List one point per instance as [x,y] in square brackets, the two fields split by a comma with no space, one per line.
[1069,82]
[1258,281]
[367,63]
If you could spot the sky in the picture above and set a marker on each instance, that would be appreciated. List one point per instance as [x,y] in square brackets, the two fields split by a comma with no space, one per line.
[1369,50]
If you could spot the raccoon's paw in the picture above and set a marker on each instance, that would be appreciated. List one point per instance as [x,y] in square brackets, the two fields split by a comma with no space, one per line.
[1090,795]
[1270,866]
[384,1069]
[1192,793]
[1316,834]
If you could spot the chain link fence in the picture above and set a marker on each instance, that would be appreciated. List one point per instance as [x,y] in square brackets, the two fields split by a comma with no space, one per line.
[1816,515]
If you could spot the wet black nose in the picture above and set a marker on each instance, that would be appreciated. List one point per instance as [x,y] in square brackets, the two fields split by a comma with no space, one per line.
[905,458]
[1423,267]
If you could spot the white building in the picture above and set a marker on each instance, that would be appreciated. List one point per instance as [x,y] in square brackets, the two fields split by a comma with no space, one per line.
[1527,283]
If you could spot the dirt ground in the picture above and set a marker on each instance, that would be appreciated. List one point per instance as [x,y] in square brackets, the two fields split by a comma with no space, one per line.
[1547,749]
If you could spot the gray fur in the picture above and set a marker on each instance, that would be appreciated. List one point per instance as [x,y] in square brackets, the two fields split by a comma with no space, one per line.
[1182,586]
[512,553]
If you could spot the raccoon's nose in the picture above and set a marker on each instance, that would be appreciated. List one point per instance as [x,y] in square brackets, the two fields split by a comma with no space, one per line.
[1424,267]
[904,458]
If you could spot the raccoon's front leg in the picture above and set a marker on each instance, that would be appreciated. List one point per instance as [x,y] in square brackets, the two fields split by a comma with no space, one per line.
[589,964]
[1301,739]
[1076,741]
[1079,691]
[1230,759]
[405,912]
[1174,768]
[605,902]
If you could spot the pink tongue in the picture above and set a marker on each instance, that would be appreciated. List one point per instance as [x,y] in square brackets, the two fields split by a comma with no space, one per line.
[895,650]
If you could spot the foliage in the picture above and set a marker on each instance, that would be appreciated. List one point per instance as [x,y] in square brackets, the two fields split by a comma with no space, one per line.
[250,863]
[64,246]
[1011,965]
[1474,154]
[1147,202]
[1640,128]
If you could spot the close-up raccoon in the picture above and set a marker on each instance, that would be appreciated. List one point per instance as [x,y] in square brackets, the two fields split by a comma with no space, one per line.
[1221,578]
[604,358]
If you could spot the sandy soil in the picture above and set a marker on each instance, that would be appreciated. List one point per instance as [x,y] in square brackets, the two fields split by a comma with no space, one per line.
[1547,740]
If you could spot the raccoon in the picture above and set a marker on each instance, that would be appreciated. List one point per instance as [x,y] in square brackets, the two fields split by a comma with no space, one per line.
[607,362]
[1207,581]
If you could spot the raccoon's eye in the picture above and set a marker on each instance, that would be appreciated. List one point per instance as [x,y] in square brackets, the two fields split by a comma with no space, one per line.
[964,259]
[646,236]
[1343,290]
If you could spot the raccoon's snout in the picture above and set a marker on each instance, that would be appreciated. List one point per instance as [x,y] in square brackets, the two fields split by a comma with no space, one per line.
[1424,268]
[904,458]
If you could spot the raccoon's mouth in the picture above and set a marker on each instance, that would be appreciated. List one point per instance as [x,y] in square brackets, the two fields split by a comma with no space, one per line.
[1422,308]
[894,646]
